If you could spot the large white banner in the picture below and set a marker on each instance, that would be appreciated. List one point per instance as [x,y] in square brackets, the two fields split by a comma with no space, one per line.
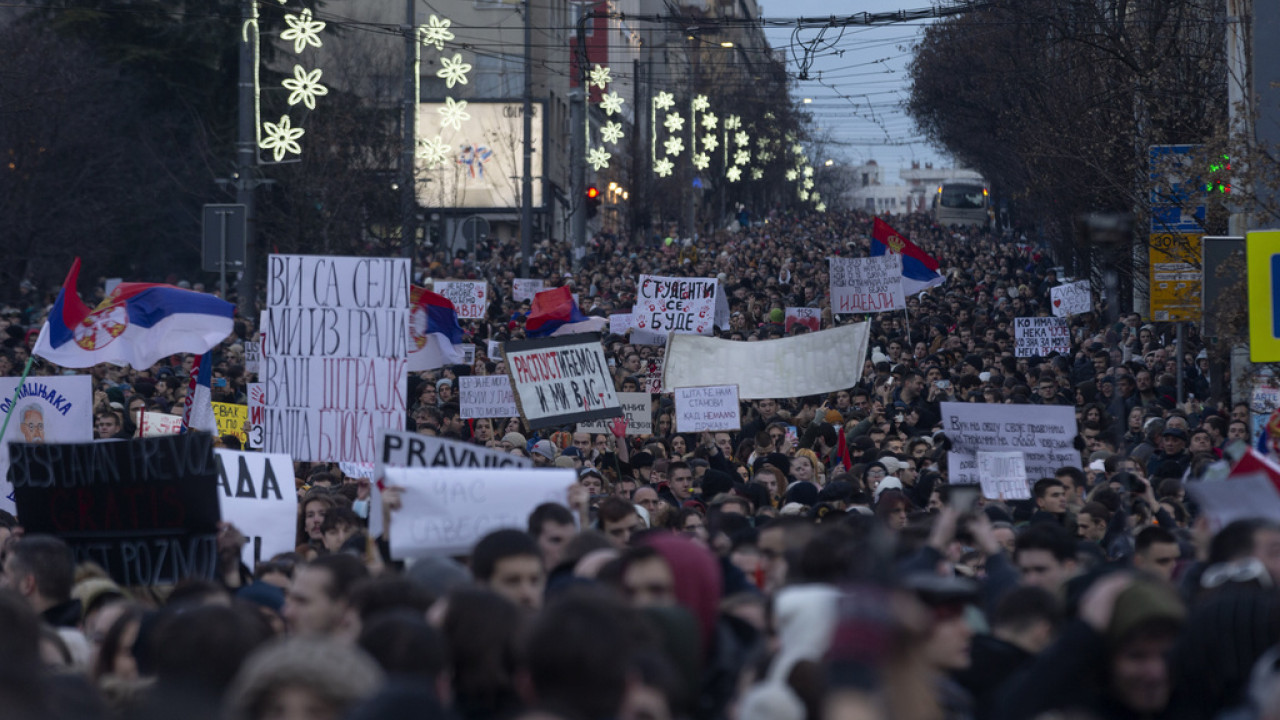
[866,285]
[445,512]
[1041,336]
[257,496]
[1044,434]
[334,355]
[712,409]
[561,380]
[808,364]
[470,298]
[1071,299]
[675,304]
[637,407]
[486,396]
[55,409]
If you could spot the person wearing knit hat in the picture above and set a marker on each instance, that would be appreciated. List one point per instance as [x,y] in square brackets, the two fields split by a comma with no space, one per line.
[543,453]
[330,675]
[514,440]
[777,316]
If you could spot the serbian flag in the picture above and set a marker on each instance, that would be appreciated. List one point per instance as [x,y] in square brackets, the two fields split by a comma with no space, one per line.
[434,328]
[919,271]
[555,313]
[197,413]
[136,325]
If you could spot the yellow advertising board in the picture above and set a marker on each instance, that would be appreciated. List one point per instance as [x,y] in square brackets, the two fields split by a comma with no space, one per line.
[1262,253]
[1176,277]
[231,420]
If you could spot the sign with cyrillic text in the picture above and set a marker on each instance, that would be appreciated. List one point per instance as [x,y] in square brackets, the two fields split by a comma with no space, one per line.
[1070,299]
[1003,475]
[637,407]
[1041,336]
[257,496]
[232,419]
[710,409]
[523,289]
[866,285]
[50,409]
[675,304]
[486,396]
[1044,434]
[469,298]
[156,424]
[561,380]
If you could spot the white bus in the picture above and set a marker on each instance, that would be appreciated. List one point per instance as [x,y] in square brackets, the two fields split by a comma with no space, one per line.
[962,202]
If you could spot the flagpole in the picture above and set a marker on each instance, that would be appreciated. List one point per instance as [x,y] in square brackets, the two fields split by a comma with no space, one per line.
[906,314]
[31,359]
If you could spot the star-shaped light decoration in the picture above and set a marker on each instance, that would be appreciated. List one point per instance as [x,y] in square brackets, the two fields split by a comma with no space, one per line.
[797,149]
[611,103]
[807,184]
[453,70]
[757,173]
[674,123]
[764,156]
[611,132]
[710,142]
[733,122]
[814,196]
[454,113]
[701,161]
[808,171]
[303,30]
[701,103]
[436,32]
[763,142]
[433,152]
[792,174]
[742,157]
[599,77]
[804,195]
[281,138]
[674,146]
[598,158]
[820,207]
[733,174]
[709,121]
[305,86]
[663,167]
[742,139]
[664,101]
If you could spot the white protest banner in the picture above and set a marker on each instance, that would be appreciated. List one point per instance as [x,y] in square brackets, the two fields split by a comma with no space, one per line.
[523,289]
[445,512]
[55,409]
[257,398]
[648,337]
[495,350]
[155,424]
[808,317]
[808,364]
[486,396]
[1044,434]
[257,496]
[252,356]
[866,285]
[620,323]
[334,354]
[637,407]
[675,304]
[712,408]
[561,380]
[1251,495]
[470,298]
[1071,299]
[1040,336]
[1003,475]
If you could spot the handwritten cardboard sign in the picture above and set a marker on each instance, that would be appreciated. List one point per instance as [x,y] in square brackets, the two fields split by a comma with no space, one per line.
[675,304]
[146,510]
[252,356]
[470,298]
[712,408]
[334,355]
[1041,336]
[156,424]
[523,289]
[232,419]
[1043,434]
[256,495]
[486,396]
[637,407]
[866,285]
[561,380]
[1003,475]
[620,323]
[1071,299]
[807,317]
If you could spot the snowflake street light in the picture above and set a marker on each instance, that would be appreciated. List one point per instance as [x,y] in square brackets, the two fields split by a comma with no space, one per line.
[733,122]
[820,207]
[757,173]
[808,171]
[454,113]
[733,174]
[600,77]
[674,145]
[303,30]
[797,149]
[792,175]
[282,138]
[674,123]
[663,167]
[814,196]
[433,152]
[804,195]
[611,103]
[664,101]
[701,161]
[710,142]
[598,158]
[742,138]
[742,157]
[611,132]
[807,184]
[701,104]
[765,156]
[435,32]
[453,70]
[709,121]
[305,86]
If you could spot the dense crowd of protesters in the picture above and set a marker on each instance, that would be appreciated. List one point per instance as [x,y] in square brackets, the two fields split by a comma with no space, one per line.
[814,564]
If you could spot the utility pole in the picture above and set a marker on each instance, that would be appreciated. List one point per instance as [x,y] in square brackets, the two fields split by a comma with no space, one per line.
[526,181]
[578,147]
[247,155]
[408,197]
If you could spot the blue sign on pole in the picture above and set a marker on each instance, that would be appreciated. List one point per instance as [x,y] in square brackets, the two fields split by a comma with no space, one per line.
[1176,196]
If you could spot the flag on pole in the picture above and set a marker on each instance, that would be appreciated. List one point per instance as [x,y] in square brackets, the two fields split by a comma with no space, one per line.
[197,414]
[919,271]
[555,313]
[136,325]
[434,328]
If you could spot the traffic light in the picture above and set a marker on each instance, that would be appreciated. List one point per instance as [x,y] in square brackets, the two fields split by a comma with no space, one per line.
[593,201]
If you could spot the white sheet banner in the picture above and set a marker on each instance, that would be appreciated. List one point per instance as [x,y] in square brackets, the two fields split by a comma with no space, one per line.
[808,364]
[334,354]
[1003,475]
[1044,434]
[1041,336]
[55,409]
[470,298]
[1071,299]
[675,304]
[866,285]
[712,409]
[257,495]
[637,407]
[445,512]
[486,396]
